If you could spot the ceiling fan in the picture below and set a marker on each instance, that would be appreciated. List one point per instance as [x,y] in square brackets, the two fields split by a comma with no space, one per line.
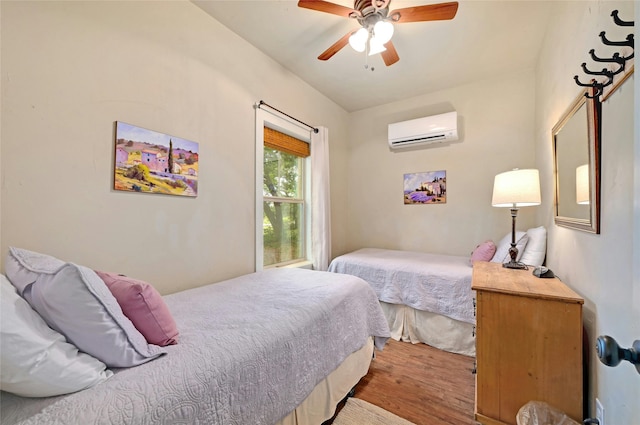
[377,24]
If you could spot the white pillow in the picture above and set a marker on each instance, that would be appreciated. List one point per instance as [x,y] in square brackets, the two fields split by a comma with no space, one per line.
[502,250]
[74,301]
[35,360]
[536,248]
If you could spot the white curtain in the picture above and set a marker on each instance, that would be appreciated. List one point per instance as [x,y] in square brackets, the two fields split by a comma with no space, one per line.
[320,200]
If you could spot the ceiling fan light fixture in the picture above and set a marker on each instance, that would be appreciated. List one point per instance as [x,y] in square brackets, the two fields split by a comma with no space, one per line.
[375,46]
[377,24]
[383,31]
[358,40]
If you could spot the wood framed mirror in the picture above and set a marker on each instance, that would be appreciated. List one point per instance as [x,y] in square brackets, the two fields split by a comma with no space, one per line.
[576,154]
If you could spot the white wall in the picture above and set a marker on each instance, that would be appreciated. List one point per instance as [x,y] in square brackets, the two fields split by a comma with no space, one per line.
[496,134]
[71,69]
[599,267]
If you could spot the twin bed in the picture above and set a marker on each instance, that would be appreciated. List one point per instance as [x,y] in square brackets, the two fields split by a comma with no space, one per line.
[425,297]
[275,347]
[281,346]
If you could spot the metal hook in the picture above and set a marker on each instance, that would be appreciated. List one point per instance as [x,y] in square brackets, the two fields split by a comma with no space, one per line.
[603,85]
[626,58]
[596,94]
[578,82]
[598,86]
[620,59]
[616,72]
[615,58]
[587,71]
[606,72]
[619,21]
[629,41]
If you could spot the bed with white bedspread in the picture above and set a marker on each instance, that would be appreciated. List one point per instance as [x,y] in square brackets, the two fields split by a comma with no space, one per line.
[255,349]
[426,297]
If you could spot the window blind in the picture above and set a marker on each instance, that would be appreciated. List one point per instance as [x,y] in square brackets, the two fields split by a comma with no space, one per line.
[283,142]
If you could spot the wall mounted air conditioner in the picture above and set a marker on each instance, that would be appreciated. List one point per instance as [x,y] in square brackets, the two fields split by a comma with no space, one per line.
[422,131]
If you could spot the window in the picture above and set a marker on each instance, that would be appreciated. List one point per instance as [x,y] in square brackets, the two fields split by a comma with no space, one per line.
[283,213]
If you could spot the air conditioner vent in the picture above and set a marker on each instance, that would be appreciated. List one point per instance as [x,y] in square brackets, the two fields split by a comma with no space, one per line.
[432,129]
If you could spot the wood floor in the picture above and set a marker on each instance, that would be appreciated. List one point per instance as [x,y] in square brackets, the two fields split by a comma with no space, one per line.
[421,384]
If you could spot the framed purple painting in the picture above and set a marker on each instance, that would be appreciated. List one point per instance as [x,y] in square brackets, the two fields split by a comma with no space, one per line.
[429,187]
[150,162]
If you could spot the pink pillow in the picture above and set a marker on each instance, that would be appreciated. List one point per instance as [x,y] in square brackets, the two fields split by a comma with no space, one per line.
[144,306]
[483,252]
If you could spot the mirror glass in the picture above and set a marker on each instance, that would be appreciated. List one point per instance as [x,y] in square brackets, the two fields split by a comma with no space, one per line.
[576,157]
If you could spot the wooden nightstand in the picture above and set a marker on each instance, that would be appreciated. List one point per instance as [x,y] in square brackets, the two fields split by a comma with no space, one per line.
[528,343]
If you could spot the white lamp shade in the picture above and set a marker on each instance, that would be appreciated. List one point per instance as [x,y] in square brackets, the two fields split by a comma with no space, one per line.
[358,40]
[516,188]
[582,184]
[383,31]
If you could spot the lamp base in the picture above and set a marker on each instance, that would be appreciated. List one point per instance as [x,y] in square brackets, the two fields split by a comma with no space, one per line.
[515,265]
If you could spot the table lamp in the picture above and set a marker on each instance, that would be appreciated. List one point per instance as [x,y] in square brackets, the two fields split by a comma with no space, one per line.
[515,189]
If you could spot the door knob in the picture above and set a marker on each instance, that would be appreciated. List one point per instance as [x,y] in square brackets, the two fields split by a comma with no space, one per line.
[611,354]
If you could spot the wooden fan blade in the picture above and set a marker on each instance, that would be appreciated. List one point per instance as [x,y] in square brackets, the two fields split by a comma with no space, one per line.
[429,12]
[390,56]
[335,48]
[325,6]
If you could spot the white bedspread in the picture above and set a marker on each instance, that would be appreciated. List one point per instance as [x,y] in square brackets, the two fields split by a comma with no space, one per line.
[250,350]
[431,282]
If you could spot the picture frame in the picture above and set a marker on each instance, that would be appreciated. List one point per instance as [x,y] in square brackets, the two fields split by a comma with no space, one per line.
[146,161]
[428,187]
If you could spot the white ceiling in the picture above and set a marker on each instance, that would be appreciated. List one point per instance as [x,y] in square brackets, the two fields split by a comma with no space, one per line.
[485,39]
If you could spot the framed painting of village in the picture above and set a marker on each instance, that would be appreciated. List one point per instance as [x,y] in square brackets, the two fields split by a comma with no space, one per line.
[150,162]
[429,187]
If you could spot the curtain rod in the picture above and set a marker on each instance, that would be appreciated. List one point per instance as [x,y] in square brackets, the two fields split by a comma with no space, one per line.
[315,130]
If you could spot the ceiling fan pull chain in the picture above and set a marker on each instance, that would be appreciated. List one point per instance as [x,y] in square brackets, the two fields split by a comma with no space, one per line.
[366,56]
[366,64]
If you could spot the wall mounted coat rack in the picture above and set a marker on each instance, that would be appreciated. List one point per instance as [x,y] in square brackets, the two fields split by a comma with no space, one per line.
[597,82]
